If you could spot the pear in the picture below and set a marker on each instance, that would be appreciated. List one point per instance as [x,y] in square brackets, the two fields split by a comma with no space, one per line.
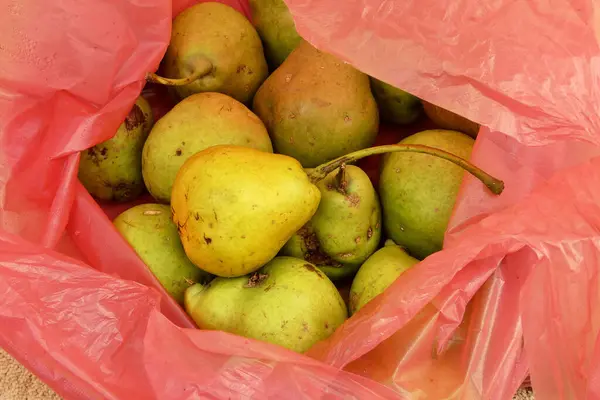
[316,107]
[112,170]
[418,192]
[213,48]
[446,119]
[276,28]
[288,302]
[236,207]
[195,123]
[377,273]
[395,105]
[345,230]
[148,228]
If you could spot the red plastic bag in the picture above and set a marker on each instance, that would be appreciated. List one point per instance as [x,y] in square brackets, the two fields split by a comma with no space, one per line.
[515,288]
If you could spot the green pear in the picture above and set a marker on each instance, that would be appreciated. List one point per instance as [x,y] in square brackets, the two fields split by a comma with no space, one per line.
[446,119]
[346,228]
[395,105]
[418,192]
[112,170]
[316,107]
[213,48]
[276,28]
[195,123]
[288,302]
[148,228]
[236,207]
[377,273]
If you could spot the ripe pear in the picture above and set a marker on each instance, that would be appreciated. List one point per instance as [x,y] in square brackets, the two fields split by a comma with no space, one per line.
[418,192]
[288,302]
[213,48]
[316,107]
[395,105]
[276,28]
[446,119]
[148,228]
[377,273]
[236,207]
[345,230]
[195,123]
[112,170]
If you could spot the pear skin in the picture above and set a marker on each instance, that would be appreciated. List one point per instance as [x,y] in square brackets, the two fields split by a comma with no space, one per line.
[235,207]
[148,228]
[418,192]
[396,105]
[112,170]
[276,28]
[345,230]
[219,36]
[378,273]
[316,107]
[446,119]
[195,123]
[288,302]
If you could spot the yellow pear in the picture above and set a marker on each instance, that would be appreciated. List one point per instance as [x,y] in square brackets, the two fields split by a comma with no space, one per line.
[235,207]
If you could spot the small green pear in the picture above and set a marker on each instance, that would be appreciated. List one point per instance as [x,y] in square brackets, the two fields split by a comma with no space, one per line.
[148,228]
[213,48]
[395,105]
[195,123]
[418,192]
[112,170]
[317,107]
[446,119]
[346,228]
[288,302]
[236,207]
[276,28]
[377,273]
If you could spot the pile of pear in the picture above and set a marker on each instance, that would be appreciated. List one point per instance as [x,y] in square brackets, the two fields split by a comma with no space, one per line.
[257,209]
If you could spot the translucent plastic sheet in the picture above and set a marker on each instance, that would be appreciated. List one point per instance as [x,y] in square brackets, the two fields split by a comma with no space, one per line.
[515,289]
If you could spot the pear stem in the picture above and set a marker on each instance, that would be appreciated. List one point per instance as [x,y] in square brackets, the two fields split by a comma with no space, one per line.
[340,179]
[202,67]
[495,185]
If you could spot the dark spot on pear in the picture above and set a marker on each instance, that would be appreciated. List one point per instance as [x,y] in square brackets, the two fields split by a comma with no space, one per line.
[207,240]
[256,279]
[135,118]
[178,152]
[312,269]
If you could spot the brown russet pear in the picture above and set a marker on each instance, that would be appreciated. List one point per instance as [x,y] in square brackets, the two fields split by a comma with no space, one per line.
[112,170]
[276,28]
[316,107]
[418,192]
[148,228]
[235,207]
[213,48]
[288,302]
[377,273]
[446,119]
[195,123]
